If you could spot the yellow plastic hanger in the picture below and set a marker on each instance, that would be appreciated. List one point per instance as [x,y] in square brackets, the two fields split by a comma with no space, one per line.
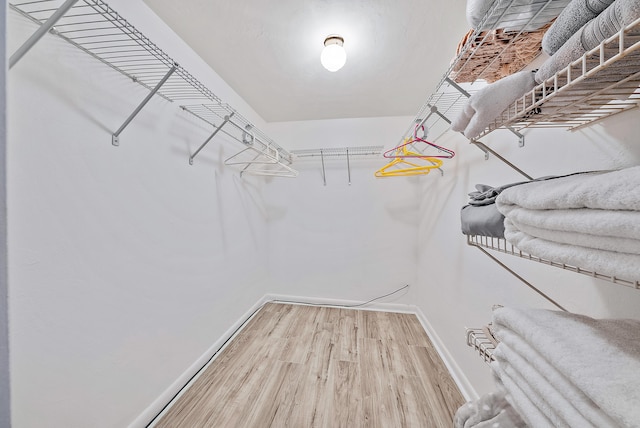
[400,167]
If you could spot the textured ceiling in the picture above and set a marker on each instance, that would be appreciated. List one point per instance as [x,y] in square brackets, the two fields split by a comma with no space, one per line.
[269,51]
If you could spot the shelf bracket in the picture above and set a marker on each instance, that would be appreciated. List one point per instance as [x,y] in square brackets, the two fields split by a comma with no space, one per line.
[324,174]
[44,28]
[487,150]
[115,138]
[348,167]
[224,122]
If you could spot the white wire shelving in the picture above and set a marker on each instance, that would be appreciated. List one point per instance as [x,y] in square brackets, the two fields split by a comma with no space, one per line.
[502,246]
[97,29]
[603,82]
[337,153]
[478,340]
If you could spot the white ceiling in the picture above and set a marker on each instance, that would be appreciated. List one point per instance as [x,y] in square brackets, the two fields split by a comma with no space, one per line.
[269,51]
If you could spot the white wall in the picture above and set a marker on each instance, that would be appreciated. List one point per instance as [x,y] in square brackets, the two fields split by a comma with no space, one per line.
[5,406]
[126,265]
[458,284]
[341,241]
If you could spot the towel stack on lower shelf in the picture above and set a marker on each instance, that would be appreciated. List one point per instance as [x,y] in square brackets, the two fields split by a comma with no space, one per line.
[568,370]
[589,220]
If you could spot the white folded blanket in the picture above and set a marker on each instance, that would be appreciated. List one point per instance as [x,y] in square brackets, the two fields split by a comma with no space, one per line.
[484,106]
[598,358]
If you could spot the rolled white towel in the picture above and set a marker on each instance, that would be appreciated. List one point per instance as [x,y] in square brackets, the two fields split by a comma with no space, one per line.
[484,106]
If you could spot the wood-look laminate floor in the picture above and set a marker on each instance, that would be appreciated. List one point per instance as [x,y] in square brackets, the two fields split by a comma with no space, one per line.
[307,366]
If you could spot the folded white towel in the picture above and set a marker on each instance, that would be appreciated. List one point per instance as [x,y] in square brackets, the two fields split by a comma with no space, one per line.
[519,399]
[571,19]
[484,106]
[620,265]
[619,14]
[610,230]
[589,220]
[606,190]
[569,402]
[601,358]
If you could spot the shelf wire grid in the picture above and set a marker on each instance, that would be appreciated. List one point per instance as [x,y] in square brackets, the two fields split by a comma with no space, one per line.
[502,246]
[478,340]
[603,82]
[97,29]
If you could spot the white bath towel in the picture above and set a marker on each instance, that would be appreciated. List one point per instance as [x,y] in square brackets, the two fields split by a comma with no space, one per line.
[610,263]
[606,190]
[571,19]
[484,106]
[571,403]
[611,230]
[601,358]
[520,401]
[619,14]
[590,220]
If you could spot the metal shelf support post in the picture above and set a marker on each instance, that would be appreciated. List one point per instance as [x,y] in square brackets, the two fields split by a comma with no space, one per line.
[44,29]
[115,138]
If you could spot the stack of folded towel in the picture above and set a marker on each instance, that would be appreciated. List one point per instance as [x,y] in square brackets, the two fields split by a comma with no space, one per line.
[588,220]
[568,370]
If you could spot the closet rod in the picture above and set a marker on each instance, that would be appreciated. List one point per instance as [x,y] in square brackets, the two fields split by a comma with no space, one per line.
[224,122]
[41,31]
[115,138]
[487,150]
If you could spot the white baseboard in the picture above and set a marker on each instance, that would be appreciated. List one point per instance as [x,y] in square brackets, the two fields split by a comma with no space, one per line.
[374,306]
[169,394]
[467,390]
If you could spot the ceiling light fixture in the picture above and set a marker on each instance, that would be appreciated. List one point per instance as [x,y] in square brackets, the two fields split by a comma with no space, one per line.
[333,55]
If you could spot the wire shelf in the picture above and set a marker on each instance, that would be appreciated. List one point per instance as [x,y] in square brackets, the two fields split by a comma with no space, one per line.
[478,340]
[603,82]
[98,30]
[502,246]
[338,152]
